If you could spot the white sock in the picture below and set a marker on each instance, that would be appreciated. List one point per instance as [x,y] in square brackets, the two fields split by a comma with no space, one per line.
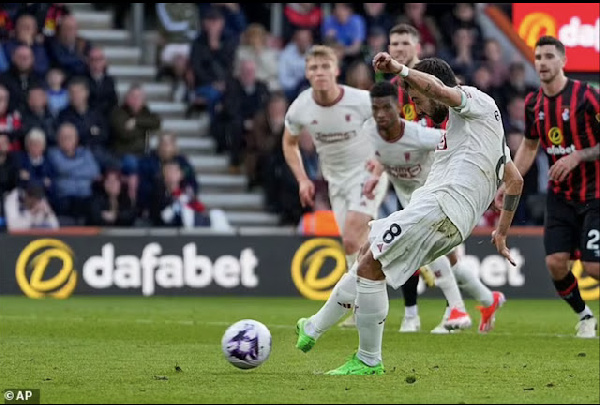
[339,303]
[412,311]
[470,282]
[587,311]
[351,259]
[447,312]
[372,307]
[444,279]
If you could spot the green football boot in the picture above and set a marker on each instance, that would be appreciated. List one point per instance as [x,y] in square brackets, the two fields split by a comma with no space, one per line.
[355,366]
[305,342]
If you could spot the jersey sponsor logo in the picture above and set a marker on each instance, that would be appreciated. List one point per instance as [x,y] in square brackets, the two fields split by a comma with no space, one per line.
[403,172]
[555,136]
[409,112]
[560,150]
[566,114]
[334,136]
[541,116]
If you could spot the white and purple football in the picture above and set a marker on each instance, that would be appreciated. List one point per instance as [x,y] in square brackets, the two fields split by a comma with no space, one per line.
[246,344]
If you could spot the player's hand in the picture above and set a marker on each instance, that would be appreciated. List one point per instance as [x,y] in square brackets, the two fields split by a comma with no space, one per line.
[499,241]
[499,199]
[371,165]
[384,63]
[307,193]
[369,187]
[563,167]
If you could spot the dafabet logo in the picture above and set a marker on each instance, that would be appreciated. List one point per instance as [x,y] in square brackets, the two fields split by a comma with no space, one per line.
[310,265]
[34,263]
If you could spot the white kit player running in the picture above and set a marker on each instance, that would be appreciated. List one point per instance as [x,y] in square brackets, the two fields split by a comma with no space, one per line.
[334,115]
[470,163]
[405,151]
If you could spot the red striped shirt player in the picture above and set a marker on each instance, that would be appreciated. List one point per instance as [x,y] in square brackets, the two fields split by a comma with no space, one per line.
[563,117]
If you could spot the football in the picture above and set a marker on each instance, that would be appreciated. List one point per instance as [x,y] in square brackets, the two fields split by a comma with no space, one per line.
[246,344]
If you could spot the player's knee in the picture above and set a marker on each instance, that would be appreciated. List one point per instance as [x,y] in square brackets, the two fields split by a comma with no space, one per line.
[370,268]
[558,264]
[592,269]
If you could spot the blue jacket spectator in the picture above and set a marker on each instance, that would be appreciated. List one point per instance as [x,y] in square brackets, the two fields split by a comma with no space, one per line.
[235,19]
[74,166]
[345,27]
[26,34]
[69,51]
[20,77]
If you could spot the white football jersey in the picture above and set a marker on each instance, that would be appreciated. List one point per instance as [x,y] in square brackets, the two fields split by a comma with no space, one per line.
[335,129]
[408,160]
[469,161]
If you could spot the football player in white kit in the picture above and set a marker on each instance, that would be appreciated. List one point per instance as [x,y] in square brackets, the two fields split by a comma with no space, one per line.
[405,151]
[470,163]
[334,115]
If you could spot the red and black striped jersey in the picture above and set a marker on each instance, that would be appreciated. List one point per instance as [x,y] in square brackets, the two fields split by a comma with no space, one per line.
[408,110]
[564,123]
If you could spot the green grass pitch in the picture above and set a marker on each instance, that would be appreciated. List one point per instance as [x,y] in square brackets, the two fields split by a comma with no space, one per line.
[126,350]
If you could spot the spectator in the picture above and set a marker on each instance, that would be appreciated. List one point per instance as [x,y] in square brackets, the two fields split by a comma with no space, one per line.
[58,96]
[37,115]
[255,46]
[92,129]
[68,50]
[9,174]
[151,168]
[174,202]
[302,16]
[244,97]
[20,77]
[495,62]
[26,34]
[359,75]
[377,41]
[111,205]
[377,17]
[345,27]
[29,209]
[514,120]
[10,120]
[178,26]
[461,57]
[292,62]
[235,19]
[516,85]
[103,94]
[75,169]
[263,143]
[33,165]
[212,54]
[462,16]
[131,124]
[415,15]
[51,14]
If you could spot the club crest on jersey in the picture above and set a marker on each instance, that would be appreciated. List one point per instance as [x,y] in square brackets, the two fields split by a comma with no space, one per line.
[348,117]
[409,112]
[566,114]
[555,136]
[314,122]
[541,116]
[407,156]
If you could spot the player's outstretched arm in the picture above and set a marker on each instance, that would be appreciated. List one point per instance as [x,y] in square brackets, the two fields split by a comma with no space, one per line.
[291,151]
[425,83]
[513,186]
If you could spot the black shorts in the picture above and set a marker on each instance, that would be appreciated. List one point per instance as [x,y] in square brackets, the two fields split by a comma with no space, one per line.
[571,226]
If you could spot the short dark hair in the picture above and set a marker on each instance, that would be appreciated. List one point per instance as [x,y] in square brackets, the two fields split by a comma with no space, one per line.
[548,40]
[384,89]
[438,68]
[406,29]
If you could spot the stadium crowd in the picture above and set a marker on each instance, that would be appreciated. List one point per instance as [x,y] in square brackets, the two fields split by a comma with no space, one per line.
[72,153]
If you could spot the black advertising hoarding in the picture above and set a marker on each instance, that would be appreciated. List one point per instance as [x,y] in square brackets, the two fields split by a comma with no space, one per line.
[262,266]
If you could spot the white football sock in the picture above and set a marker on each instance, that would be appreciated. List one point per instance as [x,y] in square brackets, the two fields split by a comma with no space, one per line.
[586,311]
[372,307]
[444,279]
[470,282]
[339,303]
[411,311]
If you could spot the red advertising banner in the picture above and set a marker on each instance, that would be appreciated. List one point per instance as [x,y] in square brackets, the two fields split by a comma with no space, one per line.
[577,25]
